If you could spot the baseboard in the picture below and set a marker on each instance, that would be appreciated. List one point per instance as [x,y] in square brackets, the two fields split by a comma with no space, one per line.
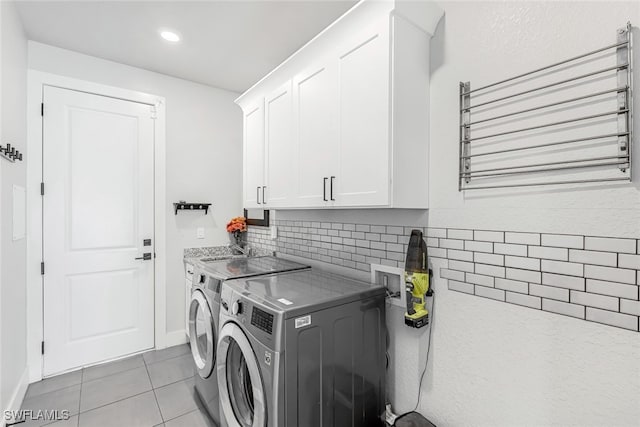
[15,403]
[175,338]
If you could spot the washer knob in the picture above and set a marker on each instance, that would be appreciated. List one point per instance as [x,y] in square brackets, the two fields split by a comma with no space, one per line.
[236,308]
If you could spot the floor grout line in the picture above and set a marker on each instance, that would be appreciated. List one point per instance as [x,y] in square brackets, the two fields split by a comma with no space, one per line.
[155,397]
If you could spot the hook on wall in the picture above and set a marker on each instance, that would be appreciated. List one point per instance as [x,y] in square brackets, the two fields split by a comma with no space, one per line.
[10,153]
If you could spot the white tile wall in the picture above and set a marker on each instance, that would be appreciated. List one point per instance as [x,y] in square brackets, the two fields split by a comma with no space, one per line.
[591,278]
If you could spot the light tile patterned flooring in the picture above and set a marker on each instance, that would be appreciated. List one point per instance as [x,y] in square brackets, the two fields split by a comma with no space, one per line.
[150,389]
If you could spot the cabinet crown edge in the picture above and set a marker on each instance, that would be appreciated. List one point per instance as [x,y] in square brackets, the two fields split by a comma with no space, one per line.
[425,14]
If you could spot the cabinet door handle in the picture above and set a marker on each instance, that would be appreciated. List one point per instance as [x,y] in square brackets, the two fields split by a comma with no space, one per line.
[324,189]
[332,178]
[264,199]
[258,195]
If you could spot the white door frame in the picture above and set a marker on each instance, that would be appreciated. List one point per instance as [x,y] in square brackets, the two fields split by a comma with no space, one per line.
[35,298]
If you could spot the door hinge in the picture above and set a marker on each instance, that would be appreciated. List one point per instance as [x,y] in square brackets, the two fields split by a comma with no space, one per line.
[42,188]
[153,112]
[42,268]
[42,347]
[42,109]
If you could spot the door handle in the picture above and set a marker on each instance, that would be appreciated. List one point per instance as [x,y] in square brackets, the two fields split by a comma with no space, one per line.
[258,195]
[331,188]
[324,189]
[145,257]
[264,200]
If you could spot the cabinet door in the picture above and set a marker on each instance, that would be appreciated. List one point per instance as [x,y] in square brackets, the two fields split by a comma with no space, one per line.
[280,148]
[362,176]
[315,93]
[254,163]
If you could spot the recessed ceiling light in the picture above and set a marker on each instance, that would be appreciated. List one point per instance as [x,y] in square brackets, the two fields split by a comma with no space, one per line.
[170,36]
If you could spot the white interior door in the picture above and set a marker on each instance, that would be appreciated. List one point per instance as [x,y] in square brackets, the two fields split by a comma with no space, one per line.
[97,211]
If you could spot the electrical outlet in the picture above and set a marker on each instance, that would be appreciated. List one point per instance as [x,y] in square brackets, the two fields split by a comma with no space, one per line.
[274,232]
[200,233]
[391,278]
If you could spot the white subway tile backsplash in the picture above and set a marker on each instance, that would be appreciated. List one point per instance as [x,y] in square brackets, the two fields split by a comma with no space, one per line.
[488,236]
[524,275]
[620,290]
[610,274]
[437,232]
[594,300]
[460,234]
[563,241]
[433,242]
[593,257]
[613,319]
[461,287]
[512,285]
[549,292]
[492,293]
[610,244]
[565,308]
[629,261]
[522,262]
[460,255]
[461,265]
[478,279]
[522,238]
[630,307]
[510,249]
[561,267]
[437,253]
[525,300]
[471,245]
[485,258]
[451,244]
[561,281]
[452,274]
[544,252]
[593,277]
[490,270]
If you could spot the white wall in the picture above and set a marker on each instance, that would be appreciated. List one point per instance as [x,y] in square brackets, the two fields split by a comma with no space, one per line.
[13,321]
[498,364]
[204,153]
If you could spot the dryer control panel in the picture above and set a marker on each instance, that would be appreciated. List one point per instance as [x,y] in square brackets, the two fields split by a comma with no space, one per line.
[262,320]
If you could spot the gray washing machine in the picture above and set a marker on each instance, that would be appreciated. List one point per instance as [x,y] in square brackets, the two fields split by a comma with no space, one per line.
[204,311]
[301,349]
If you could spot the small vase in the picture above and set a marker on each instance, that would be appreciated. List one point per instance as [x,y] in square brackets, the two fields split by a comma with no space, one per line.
[237,239]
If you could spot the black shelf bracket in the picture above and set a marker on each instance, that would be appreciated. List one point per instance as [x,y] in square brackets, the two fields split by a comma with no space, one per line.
[184,206]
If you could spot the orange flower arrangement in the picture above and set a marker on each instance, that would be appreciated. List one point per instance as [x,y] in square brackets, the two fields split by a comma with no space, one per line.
[237,225]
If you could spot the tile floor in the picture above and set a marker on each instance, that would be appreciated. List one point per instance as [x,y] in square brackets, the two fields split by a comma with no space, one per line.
[150,389]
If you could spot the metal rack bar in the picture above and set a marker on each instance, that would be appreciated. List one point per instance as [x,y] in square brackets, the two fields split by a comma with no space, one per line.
[580,77]
[550,144]
[566,101]
[622,114]
[584,55]
[536,184]
[561,122]
[473,173]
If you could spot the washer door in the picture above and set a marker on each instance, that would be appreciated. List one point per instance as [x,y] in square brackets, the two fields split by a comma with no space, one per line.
[202,334]
[241,392]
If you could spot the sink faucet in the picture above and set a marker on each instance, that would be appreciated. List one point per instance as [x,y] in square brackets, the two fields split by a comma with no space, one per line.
[244,251]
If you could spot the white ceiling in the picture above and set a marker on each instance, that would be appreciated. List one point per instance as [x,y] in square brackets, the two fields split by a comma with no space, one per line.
[226,44]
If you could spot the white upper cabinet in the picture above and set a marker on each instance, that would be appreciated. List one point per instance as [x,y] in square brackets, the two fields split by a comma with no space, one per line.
[254,155]
[315,94]
[362,176]
[350,127]
[280,148]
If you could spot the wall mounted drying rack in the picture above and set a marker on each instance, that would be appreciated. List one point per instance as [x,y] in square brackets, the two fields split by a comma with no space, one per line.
[477,149]
[10,153]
